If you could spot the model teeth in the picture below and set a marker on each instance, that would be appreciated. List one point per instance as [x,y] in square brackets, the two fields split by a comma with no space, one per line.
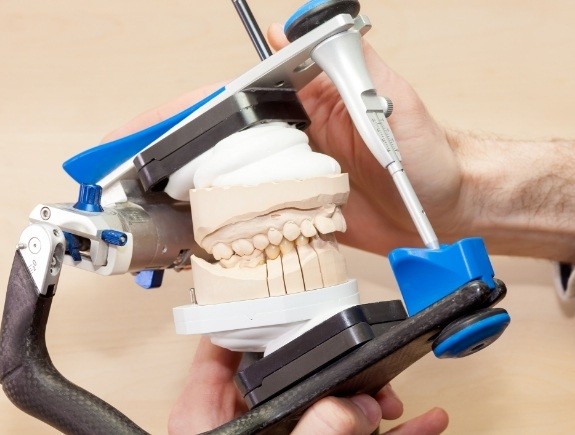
[307,228]
[255,259]
[272,252]
[291,231]
[260,242]
[222,251]
[267,240]
[242,247]
[230,262]
[279,237]
[339,220]
[301,240]
[286,246]
[294,266]
[275,236]
[324,225]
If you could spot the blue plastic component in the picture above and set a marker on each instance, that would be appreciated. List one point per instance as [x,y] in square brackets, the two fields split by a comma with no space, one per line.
[89,198]
[303,9]
[92,165]
[72,246]
[474,337]
[150,278]
[113,237]
[425,276]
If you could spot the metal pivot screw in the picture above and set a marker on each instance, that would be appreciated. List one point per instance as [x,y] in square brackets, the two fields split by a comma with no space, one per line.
[45,213]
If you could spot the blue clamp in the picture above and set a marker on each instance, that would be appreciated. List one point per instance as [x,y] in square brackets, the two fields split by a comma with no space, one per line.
[425,276]
[72,246]
[151,278]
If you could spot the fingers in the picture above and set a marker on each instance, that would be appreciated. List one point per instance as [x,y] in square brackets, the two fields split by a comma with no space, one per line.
[433,422]
[359,415]
[276,37]
[210,397]
[391,406]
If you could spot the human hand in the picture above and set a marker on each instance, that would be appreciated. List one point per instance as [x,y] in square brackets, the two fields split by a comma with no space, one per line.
[210,399]
[425,147]
[374,201]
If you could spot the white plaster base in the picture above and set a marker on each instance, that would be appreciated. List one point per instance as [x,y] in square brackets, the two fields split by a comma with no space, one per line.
[265,324]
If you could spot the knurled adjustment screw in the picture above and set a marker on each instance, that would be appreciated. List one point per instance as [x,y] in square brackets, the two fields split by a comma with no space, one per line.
[89,198]
[389,106]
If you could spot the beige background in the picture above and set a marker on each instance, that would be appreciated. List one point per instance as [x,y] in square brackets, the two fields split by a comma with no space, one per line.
[74,70]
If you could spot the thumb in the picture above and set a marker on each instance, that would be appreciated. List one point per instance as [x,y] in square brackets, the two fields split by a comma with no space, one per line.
[276,37]
[359,415]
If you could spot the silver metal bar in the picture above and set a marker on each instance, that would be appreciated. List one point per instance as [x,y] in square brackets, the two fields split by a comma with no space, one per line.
[254,31]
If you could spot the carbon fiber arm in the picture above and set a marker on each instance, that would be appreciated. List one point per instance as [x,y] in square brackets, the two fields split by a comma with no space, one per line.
[28,376]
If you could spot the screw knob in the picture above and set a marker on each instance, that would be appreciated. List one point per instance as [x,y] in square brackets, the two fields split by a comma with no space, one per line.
[113,237]
[89,198]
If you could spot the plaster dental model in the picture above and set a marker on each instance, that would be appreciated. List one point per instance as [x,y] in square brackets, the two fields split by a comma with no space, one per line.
[266,207]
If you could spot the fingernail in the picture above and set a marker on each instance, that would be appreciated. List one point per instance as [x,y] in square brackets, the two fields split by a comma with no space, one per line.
[368,406]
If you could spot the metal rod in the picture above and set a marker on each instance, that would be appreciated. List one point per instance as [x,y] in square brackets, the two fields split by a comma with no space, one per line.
[252,28]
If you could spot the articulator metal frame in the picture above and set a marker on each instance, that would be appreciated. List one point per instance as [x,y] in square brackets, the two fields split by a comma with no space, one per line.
[136,227]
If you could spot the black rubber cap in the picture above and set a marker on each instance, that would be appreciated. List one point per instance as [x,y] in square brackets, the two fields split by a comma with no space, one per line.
[306,19]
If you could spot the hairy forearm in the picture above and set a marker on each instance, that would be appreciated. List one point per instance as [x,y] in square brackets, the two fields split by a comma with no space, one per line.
[518,195]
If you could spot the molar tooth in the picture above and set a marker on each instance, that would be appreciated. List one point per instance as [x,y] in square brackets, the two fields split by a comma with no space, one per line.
[286,246]
[307,228]
[291,231]
[260,241]
[339,220]
[324,224]
[272,252]
[230,262]
[275,236]
[301,240]
[243,247]
[221,250]
[254,260]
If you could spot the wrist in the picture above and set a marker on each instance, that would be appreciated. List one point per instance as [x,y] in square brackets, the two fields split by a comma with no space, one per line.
[519,196]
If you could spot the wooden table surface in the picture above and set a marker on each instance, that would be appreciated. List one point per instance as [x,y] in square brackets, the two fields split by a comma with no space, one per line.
[72,71]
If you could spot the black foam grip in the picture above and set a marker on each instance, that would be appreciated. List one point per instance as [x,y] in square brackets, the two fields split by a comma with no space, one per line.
[28,376]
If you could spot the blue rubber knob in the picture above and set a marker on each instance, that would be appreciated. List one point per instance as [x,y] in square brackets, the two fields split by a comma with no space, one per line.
[113,237]
[89,198]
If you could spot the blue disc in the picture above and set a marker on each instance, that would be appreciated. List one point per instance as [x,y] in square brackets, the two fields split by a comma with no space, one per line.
[316,12]
[478,331]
